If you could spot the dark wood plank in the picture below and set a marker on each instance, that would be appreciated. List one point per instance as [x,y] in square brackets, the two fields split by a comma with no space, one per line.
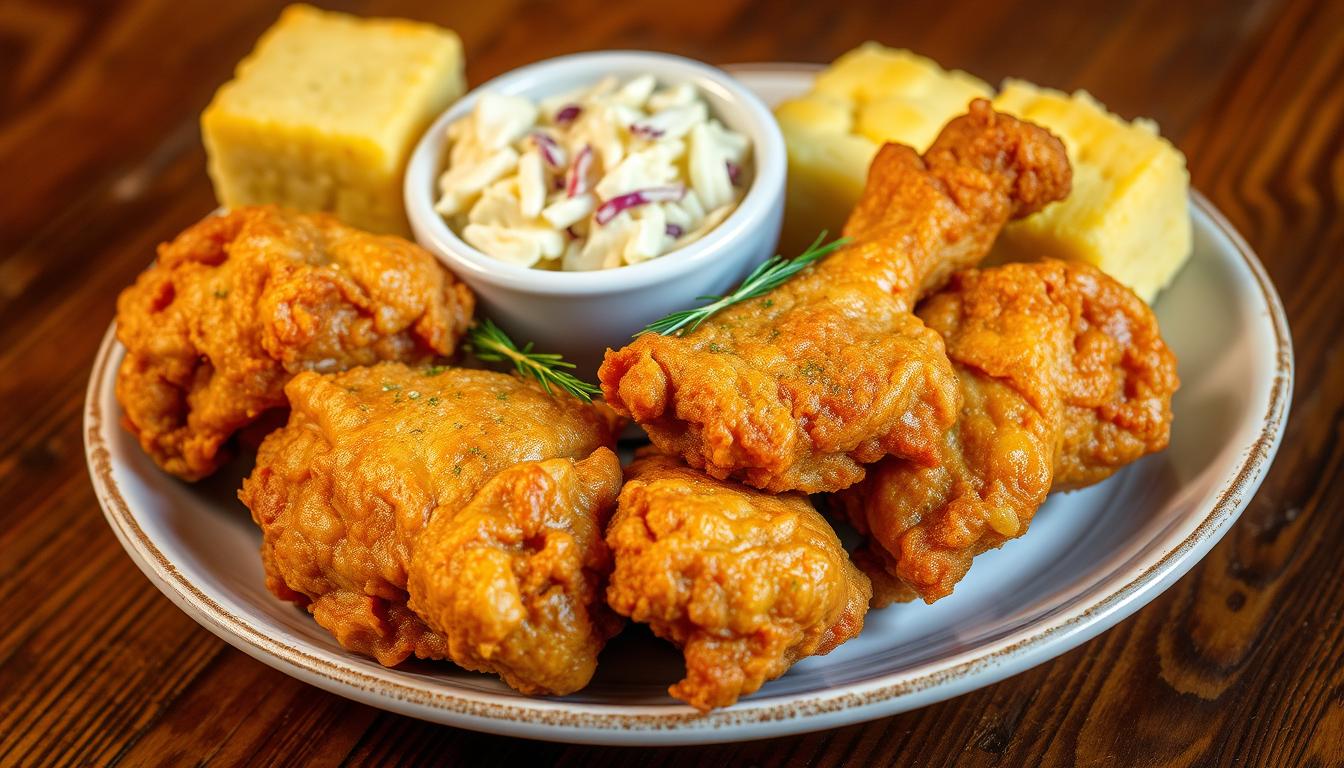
[1240,663]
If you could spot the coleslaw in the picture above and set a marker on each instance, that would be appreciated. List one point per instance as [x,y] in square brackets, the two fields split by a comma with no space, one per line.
[609,175]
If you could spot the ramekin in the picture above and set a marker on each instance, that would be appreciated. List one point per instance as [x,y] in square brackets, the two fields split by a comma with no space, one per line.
[580,314]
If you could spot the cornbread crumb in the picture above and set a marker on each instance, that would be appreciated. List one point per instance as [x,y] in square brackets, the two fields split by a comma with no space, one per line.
[324,112]
[1128,213]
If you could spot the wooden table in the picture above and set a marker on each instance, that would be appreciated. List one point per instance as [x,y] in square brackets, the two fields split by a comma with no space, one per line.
[1241,662]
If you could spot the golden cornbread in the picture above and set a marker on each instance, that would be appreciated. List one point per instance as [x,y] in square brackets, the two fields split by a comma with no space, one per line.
[867,97]
[323,113]
[1128,211]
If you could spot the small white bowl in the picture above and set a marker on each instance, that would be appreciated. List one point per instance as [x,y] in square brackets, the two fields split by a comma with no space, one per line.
[580,314]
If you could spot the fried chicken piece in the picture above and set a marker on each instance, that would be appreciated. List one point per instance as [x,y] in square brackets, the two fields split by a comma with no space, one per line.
[504,579]
[239,303]
[744,582]
[799,389]
[446,514]
[1064,379]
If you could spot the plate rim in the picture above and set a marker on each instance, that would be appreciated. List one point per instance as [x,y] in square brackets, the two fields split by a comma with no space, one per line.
[558,720]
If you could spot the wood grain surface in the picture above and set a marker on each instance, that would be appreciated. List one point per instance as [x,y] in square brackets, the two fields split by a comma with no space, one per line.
[1240,663]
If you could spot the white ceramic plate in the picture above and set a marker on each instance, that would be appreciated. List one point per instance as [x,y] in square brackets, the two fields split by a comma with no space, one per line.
[1091,558]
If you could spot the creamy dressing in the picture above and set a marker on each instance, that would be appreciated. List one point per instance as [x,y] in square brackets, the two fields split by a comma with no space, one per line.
[609,175]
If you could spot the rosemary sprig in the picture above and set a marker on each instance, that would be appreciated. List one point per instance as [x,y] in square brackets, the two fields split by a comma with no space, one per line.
[492,344]
[771,274]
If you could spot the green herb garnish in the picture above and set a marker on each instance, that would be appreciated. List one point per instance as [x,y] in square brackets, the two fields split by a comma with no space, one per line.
[771,274]
[493,345]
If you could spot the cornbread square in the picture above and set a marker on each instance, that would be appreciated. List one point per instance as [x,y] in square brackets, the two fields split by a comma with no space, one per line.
[323,113]
[867,97]
[898,95]
[1128,212]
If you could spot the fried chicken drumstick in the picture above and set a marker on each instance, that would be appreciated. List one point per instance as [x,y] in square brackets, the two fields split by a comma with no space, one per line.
[446,514]
[745,583]
[1064,379]
[799,389]
[239,303]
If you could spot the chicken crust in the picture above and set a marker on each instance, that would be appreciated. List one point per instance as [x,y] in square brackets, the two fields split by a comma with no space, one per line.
[799,389]
[1064,379]
[508,579]
[240,302]
[443,514]
[744,582]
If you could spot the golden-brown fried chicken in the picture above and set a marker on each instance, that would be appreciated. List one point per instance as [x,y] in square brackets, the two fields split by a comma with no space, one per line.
[799,389]
[443,513]
[744,582]
[1064,379]
[239,303]
[509,578]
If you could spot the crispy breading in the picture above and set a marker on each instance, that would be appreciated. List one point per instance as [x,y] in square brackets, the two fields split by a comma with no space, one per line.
[799,389]
[240,302]
[745,583]
[1064,379]
[446,514]
[514,580]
